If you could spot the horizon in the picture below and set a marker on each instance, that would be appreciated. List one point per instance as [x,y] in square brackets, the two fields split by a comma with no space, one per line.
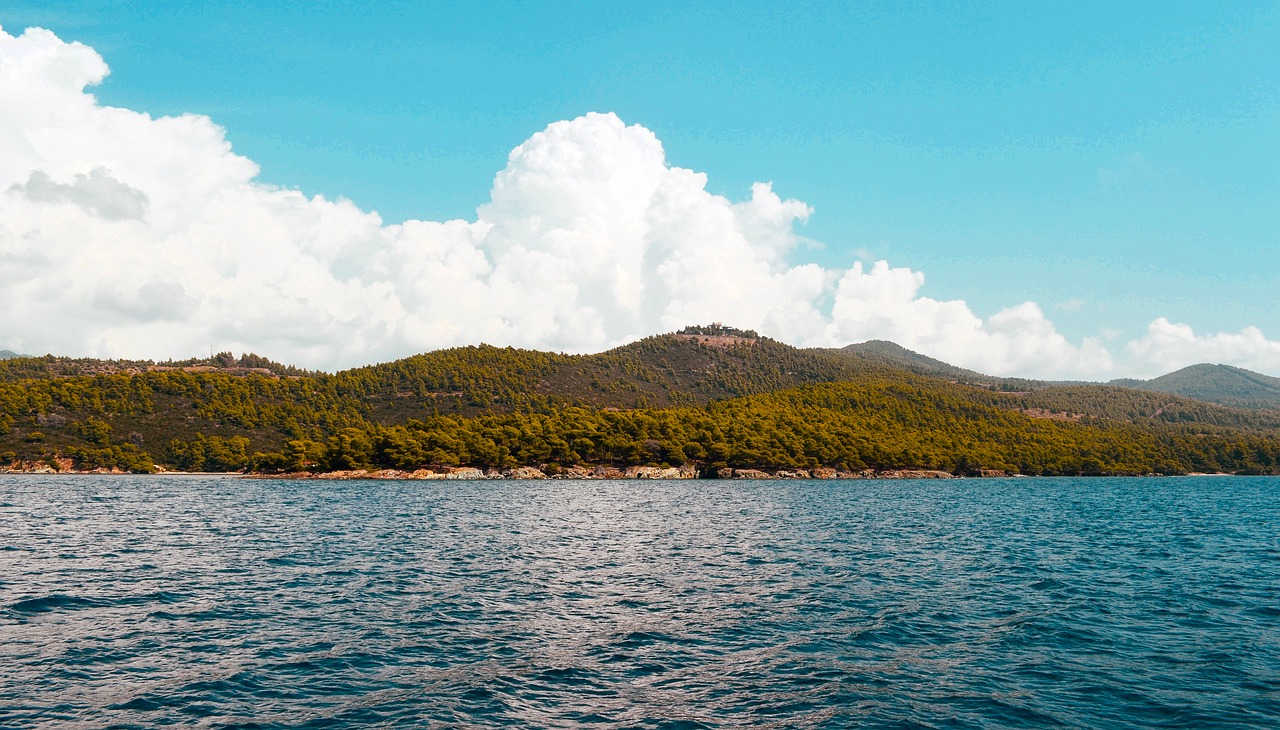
[1087,204]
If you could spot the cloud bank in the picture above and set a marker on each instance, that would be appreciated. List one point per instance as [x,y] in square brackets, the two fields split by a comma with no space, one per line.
[124,235]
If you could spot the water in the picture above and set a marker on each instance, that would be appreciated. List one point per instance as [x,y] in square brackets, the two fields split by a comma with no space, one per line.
[206,602]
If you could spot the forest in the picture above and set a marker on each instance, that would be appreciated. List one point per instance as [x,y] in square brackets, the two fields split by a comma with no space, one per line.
[669,400]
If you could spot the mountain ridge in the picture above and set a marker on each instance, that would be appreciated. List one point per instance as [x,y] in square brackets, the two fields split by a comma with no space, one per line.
[1215,383]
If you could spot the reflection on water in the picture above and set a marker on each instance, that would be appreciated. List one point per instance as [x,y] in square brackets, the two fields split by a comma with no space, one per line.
[142,601]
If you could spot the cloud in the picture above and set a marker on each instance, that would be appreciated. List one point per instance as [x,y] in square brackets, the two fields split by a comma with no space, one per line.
[884,303]
[98,193]
[1168,346]
[126,235]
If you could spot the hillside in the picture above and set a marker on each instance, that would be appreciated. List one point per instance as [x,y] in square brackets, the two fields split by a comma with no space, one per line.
[1221,384]
[656,372]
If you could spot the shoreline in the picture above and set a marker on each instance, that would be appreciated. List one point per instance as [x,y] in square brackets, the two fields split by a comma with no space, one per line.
[631,473]
[601,473]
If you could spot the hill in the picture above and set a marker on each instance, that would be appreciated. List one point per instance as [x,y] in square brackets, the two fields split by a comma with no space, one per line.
[1222,384]
[657,372]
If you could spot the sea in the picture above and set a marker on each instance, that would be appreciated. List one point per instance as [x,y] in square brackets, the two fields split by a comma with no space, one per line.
[196,601]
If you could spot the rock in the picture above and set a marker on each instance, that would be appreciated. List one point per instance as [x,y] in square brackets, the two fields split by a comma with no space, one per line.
[524,472]
[750,474]
[914,474]
[823,472]
[658,472]
[343,475]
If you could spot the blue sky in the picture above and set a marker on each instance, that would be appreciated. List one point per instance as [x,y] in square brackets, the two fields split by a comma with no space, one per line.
[1114,162]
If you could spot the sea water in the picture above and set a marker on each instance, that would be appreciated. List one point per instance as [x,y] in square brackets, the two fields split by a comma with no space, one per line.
[221,602]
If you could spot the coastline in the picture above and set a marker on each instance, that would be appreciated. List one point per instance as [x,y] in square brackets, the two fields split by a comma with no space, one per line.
[687,471]
[528,473]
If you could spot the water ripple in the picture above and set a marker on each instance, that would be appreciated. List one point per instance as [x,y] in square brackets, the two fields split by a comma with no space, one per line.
[139,602]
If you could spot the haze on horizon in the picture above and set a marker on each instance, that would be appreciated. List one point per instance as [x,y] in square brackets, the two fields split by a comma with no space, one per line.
[1101,213]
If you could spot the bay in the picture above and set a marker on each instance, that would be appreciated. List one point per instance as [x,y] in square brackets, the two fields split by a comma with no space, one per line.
[221,602]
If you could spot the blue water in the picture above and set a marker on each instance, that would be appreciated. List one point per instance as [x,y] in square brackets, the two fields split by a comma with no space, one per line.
[206,602]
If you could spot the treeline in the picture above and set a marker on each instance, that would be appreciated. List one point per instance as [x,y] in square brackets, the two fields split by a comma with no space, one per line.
[197,421]
[718,330]
[33,368]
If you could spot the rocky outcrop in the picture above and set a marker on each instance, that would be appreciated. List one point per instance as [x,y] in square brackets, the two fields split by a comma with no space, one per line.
[524,472]
[913,474]
[727,473]
[687,471]
[656,472]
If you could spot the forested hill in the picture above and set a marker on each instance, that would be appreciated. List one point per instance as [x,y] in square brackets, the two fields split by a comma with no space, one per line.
[656,372]
[1217,384]
[707,396]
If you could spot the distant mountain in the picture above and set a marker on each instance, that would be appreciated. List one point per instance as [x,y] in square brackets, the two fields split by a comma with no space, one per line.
[1221,384]
[9,355]
[889,354]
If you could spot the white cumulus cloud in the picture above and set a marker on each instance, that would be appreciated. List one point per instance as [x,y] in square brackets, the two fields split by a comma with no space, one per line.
[125,235]
[1168,346]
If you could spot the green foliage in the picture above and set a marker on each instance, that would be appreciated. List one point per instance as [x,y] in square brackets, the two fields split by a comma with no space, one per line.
[209,453]
[119,456]
[94,430]
[717,330]
[885,423]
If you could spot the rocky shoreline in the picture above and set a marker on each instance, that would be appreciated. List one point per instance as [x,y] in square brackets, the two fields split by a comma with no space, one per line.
[687,471]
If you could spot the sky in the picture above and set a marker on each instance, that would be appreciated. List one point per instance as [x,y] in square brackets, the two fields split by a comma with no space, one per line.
[1069,191]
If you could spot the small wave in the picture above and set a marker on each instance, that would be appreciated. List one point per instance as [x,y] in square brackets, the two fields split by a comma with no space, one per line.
[55,602]
[63,602]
